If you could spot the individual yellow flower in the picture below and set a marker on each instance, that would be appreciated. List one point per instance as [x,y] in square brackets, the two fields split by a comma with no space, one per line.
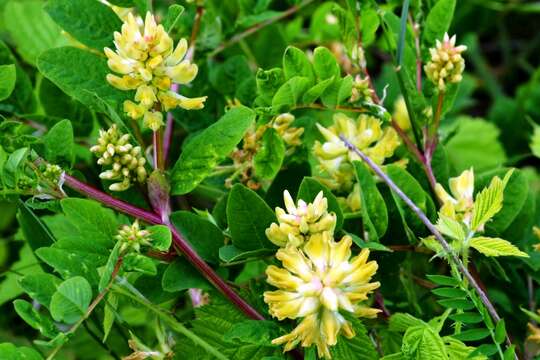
[300,221]
[133,237]
[366,133]
[460,204]
[126,162]
[401,114]
[291,135]
[317,284]
[146,61]
[446,64]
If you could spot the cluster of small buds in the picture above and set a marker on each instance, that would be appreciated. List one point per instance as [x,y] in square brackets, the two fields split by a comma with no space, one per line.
[460,204]
[52,172]
[298,222]
[319,281]
[334,158]
[361,91]
[126,161]
[148,63]
[446,64]
[132,237]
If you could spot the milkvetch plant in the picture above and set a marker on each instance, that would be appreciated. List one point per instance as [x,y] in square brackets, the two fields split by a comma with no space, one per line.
[355,183]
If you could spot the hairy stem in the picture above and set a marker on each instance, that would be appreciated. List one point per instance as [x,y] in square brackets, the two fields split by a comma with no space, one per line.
[446,247]
[179,241]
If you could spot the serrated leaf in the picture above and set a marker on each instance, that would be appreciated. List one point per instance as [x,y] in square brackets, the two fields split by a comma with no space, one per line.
[489,201]
[268,159]
[80,74]
[423,343]
[71,299]
[451,228]
[206,150]
[91,22]
[374,211]
[8,79]
[310,187]
[249,217]
[400,322]
[253,332]
[360,347]
[495,247]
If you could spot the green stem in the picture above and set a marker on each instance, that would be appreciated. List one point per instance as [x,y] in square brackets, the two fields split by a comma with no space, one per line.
[171,322]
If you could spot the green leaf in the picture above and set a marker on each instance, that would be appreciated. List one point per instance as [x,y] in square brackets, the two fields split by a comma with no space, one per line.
[248,217]
[25,265]
[268,159]
[204,236]
[40,287]
[139,263]
[438,21]
[475,144]
[160,237]
[11,352]
[325,64]
[8,79]
[297,64]
[443,280]
[36,320]
[230,253]
[400,322]
[71,299]
[360,347]
[32,29]
[467,317]
[111,304]
[495,247]
[14,167]
[535,141]
[80,74]
[374,212]
[449,292]
[204,152]
[500,332]
[451,228]
[309,188]
[461,304]
[89,21]
[180,275]
[106,276]
[253,332]
[315,92]
[35,231]
[337,92]
[472,335]
[268,82]
[59,143]
[289,94]
[489,201]
[174,13]
[423,343]
[70,263]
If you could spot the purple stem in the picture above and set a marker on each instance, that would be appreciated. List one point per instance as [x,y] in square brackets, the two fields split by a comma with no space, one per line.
[182,244]
[167,137]
[481,294]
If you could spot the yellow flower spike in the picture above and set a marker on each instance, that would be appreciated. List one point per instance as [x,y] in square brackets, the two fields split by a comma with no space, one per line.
[146,57]
[366,133]
[446,64]
[153,120]
[301,220]
[317,284]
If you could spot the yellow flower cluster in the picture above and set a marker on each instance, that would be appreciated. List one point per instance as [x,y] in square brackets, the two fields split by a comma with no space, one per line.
[147,62]
[319,280]
[460,204]
[446,64]
[301,221]
[133,237]
[334,158]
[126,161]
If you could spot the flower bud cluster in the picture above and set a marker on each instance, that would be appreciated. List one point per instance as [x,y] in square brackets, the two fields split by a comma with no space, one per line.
[126,161]
[446,64]
[132,237]
[334,158]
[147,62]
[361,91]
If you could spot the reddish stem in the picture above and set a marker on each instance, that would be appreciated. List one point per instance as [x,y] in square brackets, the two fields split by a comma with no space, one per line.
[181,244]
